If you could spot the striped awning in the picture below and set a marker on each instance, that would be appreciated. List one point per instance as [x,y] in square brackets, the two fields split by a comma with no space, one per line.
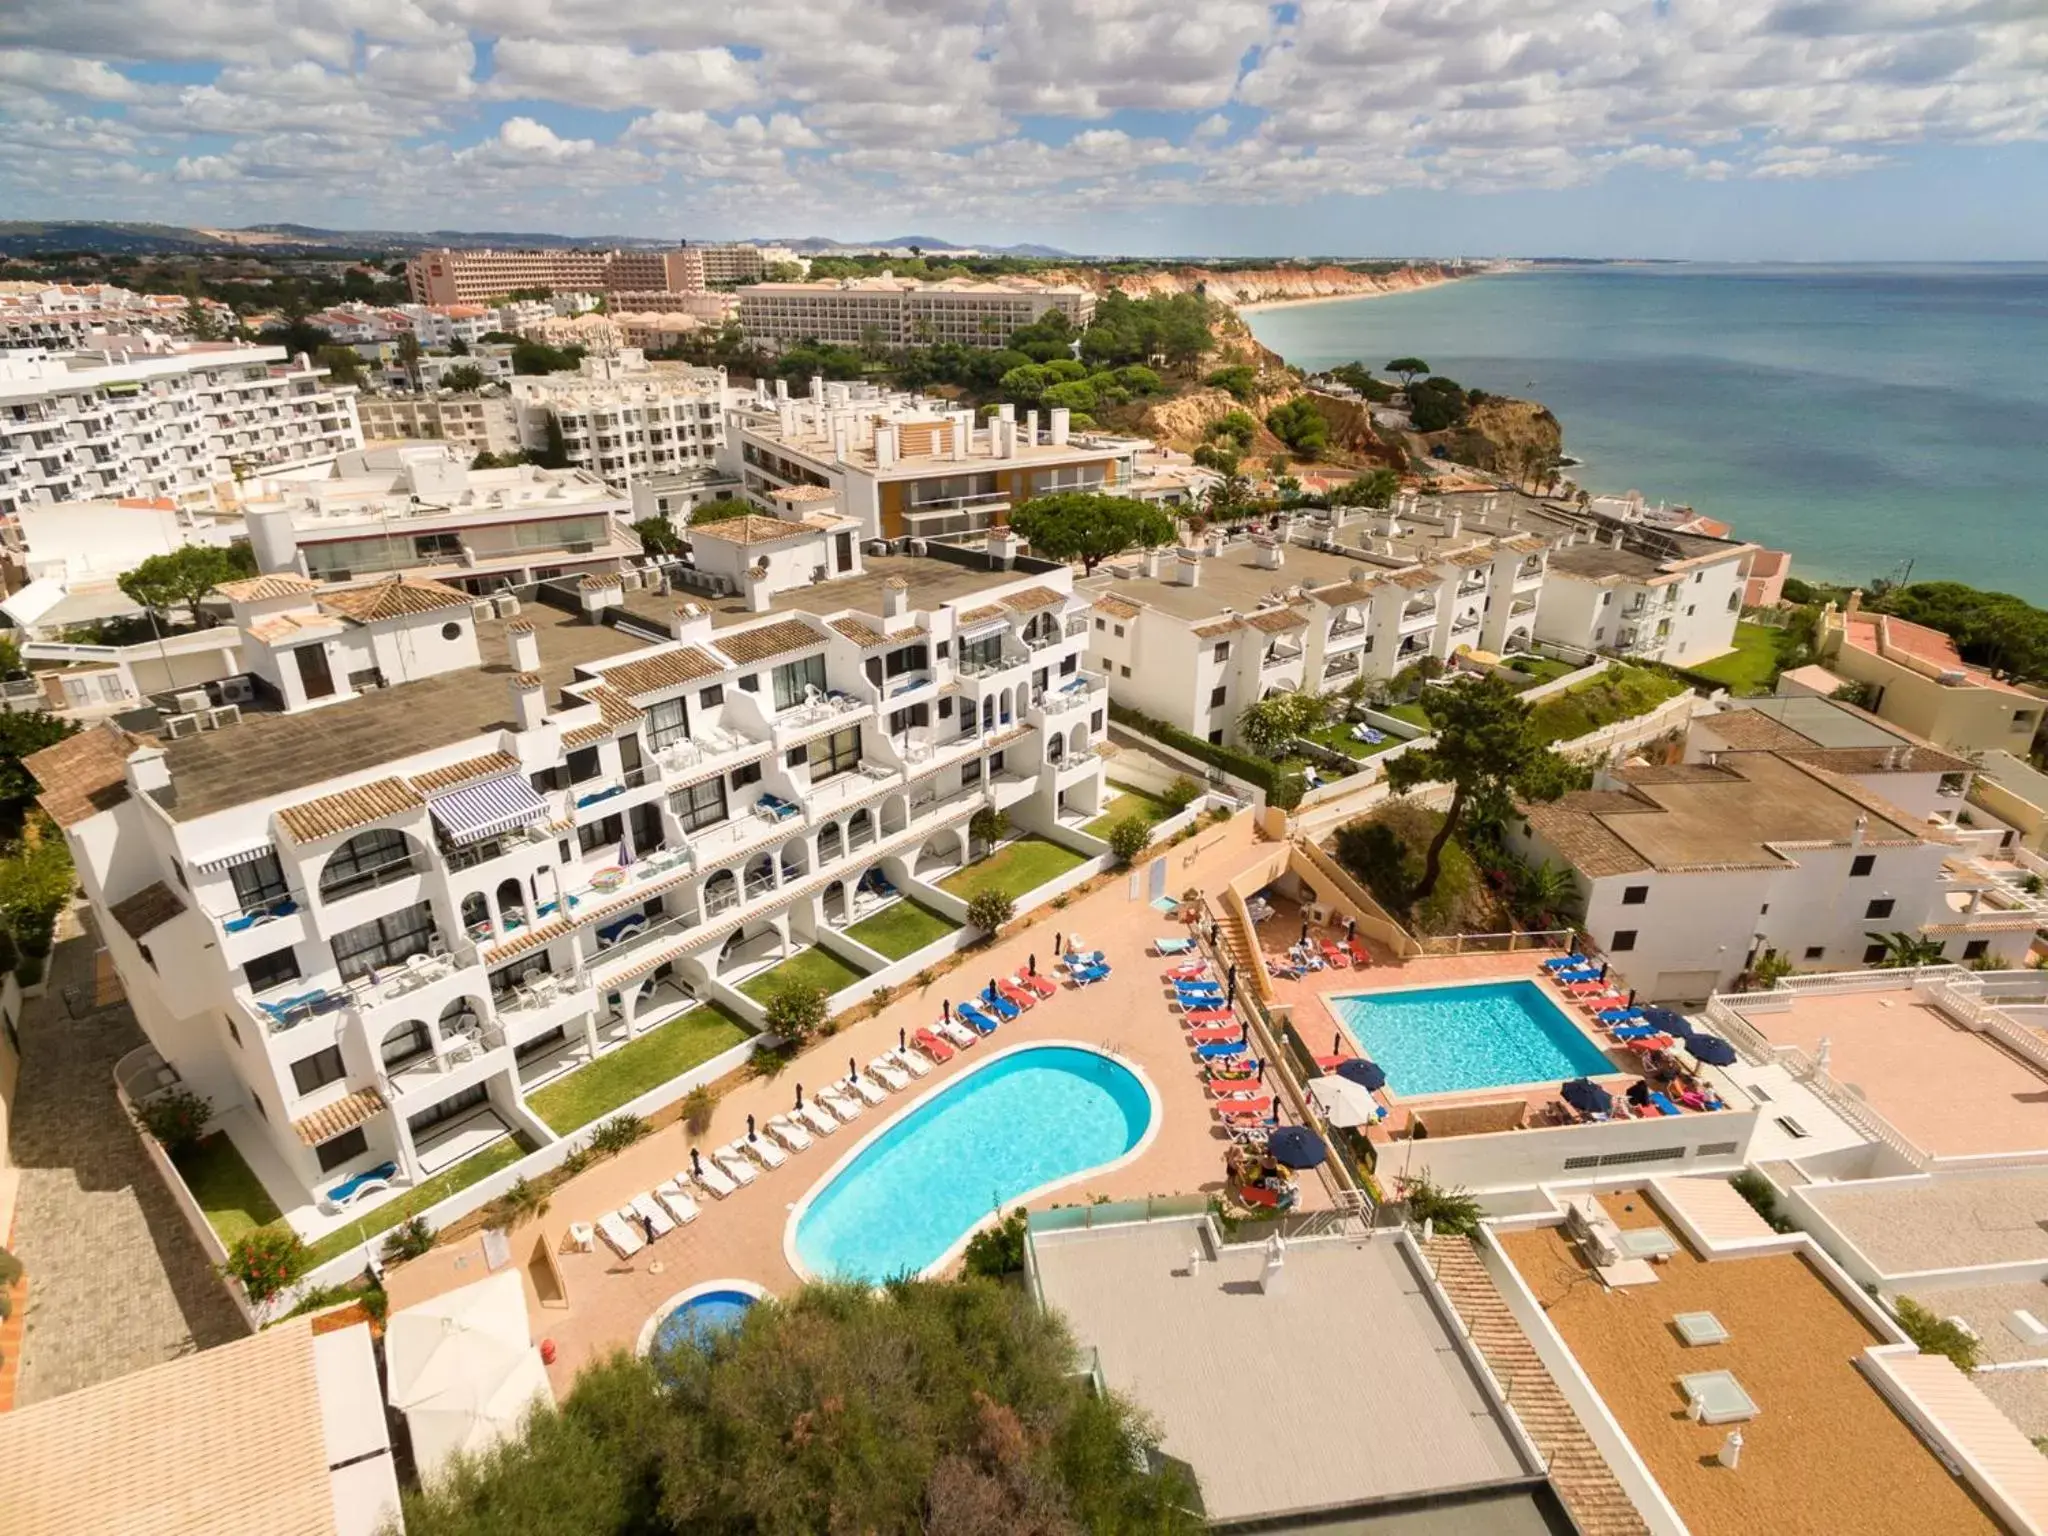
[484,810]
[221,861]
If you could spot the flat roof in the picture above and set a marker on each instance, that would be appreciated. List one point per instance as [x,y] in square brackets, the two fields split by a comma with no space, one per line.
[1233,579]
[1943,1222]
[1826,1451]
[1345,1385]
[1948,1090]
[1823,722]
[933,583]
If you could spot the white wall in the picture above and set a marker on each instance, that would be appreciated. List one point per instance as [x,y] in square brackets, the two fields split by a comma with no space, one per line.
[78,539]
[1703,623]
[1524,1158]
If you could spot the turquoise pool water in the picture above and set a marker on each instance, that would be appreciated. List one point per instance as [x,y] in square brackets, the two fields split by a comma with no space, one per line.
[700,1317]
[1030,1118]
[1449,1039]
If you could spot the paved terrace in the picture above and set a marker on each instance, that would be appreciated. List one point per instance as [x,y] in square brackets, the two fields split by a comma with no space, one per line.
[1825,1454]
[742,1237]
[1343,1385]
[933,583]
[1952,1221]
[1949,1091]
[1232,579]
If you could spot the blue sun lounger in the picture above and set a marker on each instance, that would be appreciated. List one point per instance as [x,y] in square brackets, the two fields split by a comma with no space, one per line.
[975,1019]
[1221,1049]
[1004,1008]
[1624,1016]
[1087,973]
[1564,963]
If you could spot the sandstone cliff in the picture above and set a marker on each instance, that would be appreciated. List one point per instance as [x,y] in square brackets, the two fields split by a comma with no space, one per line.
[1507,436]
[1259,285]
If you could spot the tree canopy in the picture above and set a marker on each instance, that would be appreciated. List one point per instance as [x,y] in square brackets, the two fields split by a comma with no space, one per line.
[21,735]
[183,577]
[1409,368]
[1437,403]
[1270,725]
[1299,425]
[1090,527]
[539,357]
[657,537]
[949,1408]
[463,378]
[1992,629]
[1374,488]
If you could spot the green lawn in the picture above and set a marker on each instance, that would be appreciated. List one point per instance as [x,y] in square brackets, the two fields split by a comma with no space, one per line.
[901,928]
[1338,738]
[1619,693]
[591,1092]
[1541,669]
[1016,868]
[226,1187]
[499,1154]
[1752,667]
[816,965]
[1127,800]
[1414,714]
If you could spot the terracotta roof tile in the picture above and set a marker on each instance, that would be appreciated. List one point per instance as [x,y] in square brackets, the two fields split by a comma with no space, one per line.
[255,589]
[394,598]
[1752,730]
[332,815]
[1276,621]
[1344,592]
[1903,759]
[1579,835]
[490,765]
[598,581]
[669,669]
[751,530]
[1216,627]
[1416,580]
[1118,607]
[84,774]
[745,645]
[148,909]
[858,630]
[982,615]
[613,707]
[588,735]
[1031,599]
[344,1114]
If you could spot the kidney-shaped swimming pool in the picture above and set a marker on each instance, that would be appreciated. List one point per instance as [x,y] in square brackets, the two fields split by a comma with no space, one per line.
[1023,1121]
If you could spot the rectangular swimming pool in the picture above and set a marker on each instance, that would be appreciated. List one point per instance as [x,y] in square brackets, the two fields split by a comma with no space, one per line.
[1453,1039]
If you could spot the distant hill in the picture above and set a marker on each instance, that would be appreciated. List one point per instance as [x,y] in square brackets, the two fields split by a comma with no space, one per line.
[22,237]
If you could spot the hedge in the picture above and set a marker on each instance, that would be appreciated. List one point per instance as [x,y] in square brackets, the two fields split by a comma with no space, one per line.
[1283,786]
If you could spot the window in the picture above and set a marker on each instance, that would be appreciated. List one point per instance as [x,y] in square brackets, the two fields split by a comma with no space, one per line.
[745,774]
[1070,666]
[713,695]
[1862,864]
[1221,653]
[946,708]
[1976,949]
[429,547]
[793,678]
[909,717]
[1606,598]
[970,773]
[945,646]
[699,806]
[1698,577]
[1635,895]
[1734,602]
[1816,951]
[1872,953]
[995,762]
[234,1034]
[584,764]
[1880,908]
[364,862]
[602,833]
[911,658]
[1624,938]
[1102,624]
[796,757]
[1095,721]
[837,753]
[346,1147]
[751,683]
[983,654]
[1217,695]
[258,883]
[272,970]
[386,941]
[318,1069]
[666,722]
[1125,671]
[1119,631]
[1691,609]
[1216,737]
[2023,719]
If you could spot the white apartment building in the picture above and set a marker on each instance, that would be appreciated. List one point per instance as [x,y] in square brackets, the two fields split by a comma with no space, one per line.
[901,312]
[152,419]
[1645,592]
[63,316]
[624,418]
[908,467]
[441,325]
[421,510]
[1800,830]
[492,359]
[468,277]
[474,423]
[451,853]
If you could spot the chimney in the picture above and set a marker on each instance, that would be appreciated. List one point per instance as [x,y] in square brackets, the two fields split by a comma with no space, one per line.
[817,386]
[524,645]
[1855,604]
[148,769]
[1006,438]
[1003,544]
[1862,826]
[1456,524]
[885,445]
[1267,555]
[1030,434]
[691,621]
[1154,558]
[781,389]
[598,593]
[1187,568]
[1059,420]
[895,598]
[529,701]
[963,433]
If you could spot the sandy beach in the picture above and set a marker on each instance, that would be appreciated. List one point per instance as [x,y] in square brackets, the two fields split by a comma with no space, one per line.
[1343,298]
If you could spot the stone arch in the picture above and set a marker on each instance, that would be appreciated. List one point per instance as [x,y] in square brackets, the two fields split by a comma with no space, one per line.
[476,913]
[831,843]
[860,826]
[796,858]
[367,860]
[721,892]
[404,1043]
[511,900]
[834,904]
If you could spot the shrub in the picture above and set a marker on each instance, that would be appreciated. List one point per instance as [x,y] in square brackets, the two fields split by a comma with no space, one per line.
[10,1269]
[1272,777]
[989,910]
[176,1118]
[1455,1212]
[1756,1189]
[524,1201]
[1239,426]
[923,979]
[1238,381]
[1180,794]
[576,1162]
[1129,837]
[408,1240]
[1936,1335]
[997,1251]
[697,1107]
[30,971]
[266,1260]
[616,1134]
[34,935]
[879,1000]
[1300,426]
[797,1011]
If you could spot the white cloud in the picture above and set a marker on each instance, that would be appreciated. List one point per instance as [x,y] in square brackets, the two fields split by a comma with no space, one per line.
[589,75]
[91,78]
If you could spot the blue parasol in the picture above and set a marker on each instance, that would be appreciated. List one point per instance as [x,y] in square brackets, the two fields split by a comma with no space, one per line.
[1711,1050]
[1296,1146]
[1364,1072]
[1668,1021]
[1586,1096]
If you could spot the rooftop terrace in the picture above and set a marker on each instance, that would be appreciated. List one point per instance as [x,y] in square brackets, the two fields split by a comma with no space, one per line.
[1232,579]
[1950,1221]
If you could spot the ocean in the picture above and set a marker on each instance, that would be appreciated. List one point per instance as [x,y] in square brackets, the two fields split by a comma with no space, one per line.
[1860,416]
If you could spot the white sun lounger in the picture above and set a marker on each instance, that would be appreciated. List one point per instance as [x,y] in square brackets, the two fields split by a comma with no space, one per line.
[715,1179]
[913,1062]
[845,1109]
[620,1237]
[736,1164]
[885,1071]
[870,1094]
[649,1208]
[818,1120]
[761,1149]
[789,1133]
[676,1201]
[956,1032]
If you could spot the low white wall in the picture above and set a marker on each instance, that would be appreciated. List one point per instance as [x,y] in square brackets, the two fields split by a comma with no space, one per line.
[1566,683]
[1519,1159]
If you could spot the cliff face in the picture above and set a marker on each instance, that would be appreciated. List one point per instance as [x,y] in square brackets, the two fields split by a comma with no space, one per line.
[1504,435]
[1261,285]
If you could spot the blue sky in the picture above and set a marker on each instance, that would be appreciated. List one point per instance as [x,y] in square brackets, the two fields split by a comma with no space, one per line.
[1712,129]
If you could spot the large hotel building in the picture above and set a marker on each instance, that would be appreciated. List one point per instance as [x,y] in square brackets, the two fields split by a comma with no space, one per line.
[467,277]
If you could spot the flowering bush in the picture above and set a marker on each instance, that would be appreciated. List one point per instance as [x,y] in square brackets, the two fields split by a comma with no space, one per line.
[266,1261]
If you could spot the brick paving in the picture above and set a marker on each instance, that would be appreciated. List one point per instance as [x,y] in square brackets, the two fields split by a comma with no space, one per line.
[117,1280]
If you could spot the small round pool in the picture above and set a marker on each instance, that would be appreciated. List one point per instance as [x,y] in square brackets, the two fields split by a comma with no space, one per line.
[698,1314]
[1022,1122]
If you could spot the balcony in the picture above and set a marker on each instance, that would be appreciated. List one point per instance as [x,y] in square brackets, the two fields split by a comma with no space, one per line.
[817,712]
[1521,607]
[432,1074]
[1465,624]
[1416,615]
[1471,588]
[1279,656]
[1339,668]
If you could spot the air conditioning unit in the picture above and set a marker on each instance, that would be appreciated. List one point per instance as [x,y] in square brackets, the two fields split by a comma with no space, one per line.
[177,727]
[917,547]
[878,546]
[191,703]
[227,714]
[482,609]
[507,605]
[580,547]
[238,690]
[1318,914]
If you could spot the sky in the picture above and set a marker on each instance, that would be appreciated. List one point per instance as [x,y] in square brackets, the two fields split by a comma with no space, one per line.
[1708,129]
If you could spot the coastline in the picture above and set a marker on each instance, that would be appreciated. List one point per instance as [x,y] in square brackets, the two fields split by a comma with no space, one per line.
[1256,305]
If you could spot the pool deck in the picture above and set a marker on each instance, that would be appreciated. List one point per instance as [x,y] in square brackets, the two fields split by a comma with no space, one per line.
[609,1300]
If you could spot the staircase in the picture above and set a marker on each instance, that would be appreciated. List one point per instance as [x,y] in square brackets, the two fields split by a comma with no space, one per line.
[1578,1471]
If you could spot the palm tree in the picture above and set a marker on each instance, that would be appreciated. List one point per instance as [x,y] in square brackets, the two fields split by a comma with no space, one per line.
[1546,894]
[1903,951]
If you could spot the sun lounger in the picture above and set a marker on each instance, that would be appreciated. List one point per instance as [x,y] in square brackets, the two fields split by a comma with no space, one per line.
[997,1004]
[1625,1031]
[1224,1090]
[762,1150]
[1088,975]
[1198,987]
[843,1109]
[1044,986]
[1084,958]
[1193,1000]
[958,1033]
[1602,1002]
[1664,1104]
[1570,977]
[649,1210]
[1649,1044]
[1173,946]
[934,1047]
[888,1074]
[1216,1032]
[1226,1048]
[676,1202]
[1563,963]
[714,1179]
[980,1022]
[1022,996]
[1336,955]
[789,1133]
[356,1185]
[1332,1063]
[1205,1018]
[819,1120]
[913,1062]
[869,1093]
[736,1166]
[1586,988]
[775,808]
[1193,970]
[1241,1110]
[623,1238]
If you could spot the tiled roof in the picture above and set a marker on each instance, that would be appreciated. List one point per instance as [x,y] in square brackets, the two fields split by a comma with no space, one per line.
[276,628]
[1903,759]
[613,707]
[859,631]
[255,589]
[84,774]
[669,669]
[1117,607]
[489,765]
[751,530]
[393,598]
[1276,621]
[1215,627]
[1031,599]
[587,735]
[1416,580]
[745,645]
[332,815]
[598,581]
[148,909]
[1752,730]
[1345,592]
[344,1114]
[1576,832]
[982,615]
